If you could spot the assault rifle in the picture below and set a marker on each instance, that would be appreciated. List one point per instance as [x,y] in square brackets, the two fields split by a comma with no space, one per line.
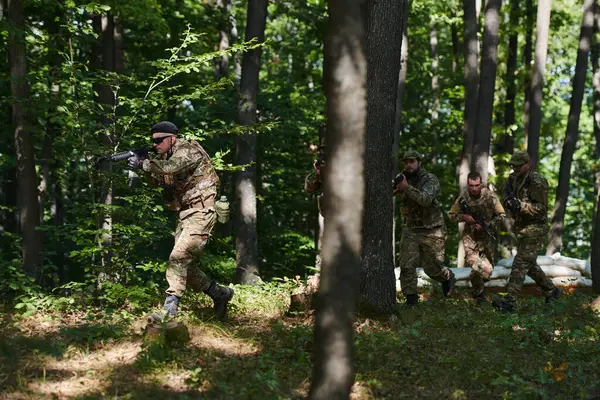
[123,155]
[464,207]
[511,202]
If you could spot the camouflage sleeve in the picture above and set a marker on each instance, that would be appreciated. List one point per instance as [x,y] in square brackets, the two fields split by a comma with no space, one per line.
[455,213]
[427,195]
[311,183]
[499,213]
[538,194]
[175,165]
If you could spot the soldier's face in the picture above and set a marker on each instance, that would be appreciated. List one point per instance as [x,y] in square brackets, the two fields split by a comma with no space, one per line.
[411,165]
[162,142]
[520,170]
[474,186]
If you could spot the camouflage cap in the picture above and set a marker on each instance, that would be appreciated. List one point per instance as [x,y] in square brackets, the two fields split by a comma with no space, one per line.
[411,154]
[519,158]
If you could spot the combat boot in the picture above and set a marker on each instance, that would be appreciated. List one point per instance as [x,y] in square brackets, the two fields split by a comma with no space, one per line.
[171,305]
[555,295]
[220,296]
[412,300]
[448,285]
[503,306]
[480,298]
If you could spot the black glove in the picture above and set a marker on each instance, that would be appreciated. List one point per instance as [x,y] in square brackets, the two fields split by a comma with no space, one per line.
[134,162]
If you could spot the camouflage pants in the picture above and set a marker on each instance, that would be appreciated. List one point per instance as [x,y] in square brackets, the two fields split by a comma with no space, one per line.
[525,264]
[191,236]
[424,247]
[479,255]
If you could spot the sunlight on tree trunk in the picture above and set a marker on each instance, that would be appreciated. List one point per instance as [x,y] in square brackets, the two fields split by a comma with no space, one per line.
[345,88]
[572,134]
[246,180]
[537,80]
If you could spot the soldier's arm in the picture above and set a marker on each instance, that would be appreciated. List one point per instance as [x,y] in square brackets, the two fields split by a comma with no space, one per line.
[427,195]
[311,183]
[538,195]
[455,213]
[175,165]
[499,212]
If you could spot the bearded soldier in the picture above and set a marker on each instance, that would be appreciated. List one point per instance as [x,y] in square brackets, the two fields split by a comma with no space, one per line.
[184,169]
[482,213]
[527,199]
[423,231]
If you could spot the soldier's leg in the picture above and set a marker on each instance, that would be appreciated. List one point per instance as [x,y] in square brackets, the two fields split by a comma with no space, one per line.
[408,261]
[524,260]
[432,251]
[473,260]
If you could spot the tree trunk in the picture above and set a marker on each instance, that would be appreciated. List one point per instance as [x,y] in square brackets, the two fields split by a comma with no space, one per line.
[247,237]
[384,36]
[27,196]
[537,80]
[471,49]
[345,80]
[595,240]
[572,134]
[435,86]
[221,65]
[507,144]
[487,87]
[527,63]
[455,46]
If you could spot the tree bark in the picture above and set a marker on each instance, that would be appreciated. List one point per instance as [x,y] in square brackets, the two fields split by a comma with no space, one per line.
[471,49]
[537,80]
[384,36]
[455,45]
[595,240]
[345,80]
[27,196]
[221,65]
[572,134]
[507,144]
[527,63]
[487,87]
[247,236]
[435,86]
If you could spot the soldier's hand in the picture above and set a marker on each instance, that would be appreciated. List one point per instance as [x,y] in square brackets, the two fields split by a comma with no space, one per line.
[134,162]
[478,227]
[400,187]
[468,219]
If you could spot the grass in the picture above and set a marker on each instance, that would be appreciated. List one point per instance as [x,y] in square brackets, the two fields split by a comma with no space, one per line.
[444,349]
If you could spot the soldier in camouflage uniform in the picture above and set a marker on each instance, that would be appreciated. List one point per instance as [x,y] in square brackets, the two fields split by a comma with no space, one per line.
[527,199]
[423,231]
[484,205]
[186,172]
[314,184]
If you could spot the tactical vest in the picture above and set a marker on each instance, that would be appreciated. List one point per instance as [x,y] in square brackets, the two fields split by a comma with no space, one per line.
[522,191]
[417,216]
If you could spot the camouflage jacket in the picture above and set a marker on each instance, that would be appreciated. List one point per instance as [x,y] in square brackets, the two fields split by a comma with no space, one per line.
[186,173]
[312,184]
[420,205]
[486,205]
[532,192]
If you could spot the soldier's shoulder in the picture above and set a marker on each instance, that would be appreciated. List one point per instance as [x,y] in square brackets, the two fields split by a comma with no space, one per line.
[429,176]
[537,179]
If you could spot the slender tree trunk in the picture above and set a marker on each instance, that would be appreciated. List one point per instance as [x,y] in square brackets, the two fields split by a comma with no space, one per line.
[222,63]
[435,86]
[507,144]
[247,237]
[537,80]
[595,241]
[345,81]
[471,49]
[527,63]
[572,134]
[27,197]
[384,36]
[487,87]
[455,46]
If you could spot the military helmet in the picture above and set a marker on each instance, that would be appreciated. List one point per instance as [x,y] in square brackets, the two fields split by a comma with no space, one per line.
[411,154]
[519,158]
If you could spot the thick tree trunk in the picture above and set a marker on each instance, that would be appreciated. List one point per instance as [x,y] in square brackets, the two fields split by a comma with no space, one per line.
[27,196]
[471,49]
[345,81]
[247,236]
[595,241]
[527,64]
[507,143]
[384,36]
[572,134]
[537,80]
[487,87]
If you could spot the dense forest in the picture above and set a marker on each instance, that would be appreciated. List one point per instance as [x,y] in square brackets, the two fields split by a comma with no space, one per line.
[260,84]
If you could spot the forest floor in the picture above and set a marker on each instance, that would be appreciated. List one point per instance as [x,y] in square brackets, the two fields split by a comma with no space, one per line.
[441,349]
